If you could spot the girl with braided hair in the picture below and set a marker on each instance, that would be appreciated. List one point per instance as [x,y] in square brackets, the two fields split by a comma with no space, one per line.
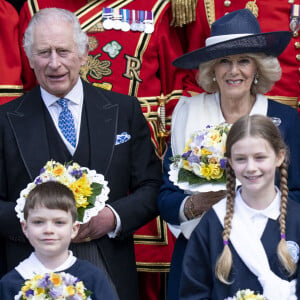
[250,239]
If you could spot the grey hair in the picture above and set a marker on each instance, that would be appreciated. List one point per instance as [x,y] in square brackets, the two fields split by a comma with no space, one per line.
[55,15]
[268,72]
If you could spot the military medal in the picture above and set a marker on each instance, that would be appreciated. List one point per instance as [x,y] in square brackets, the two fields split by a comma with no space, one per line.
[295,18]
[125,20]
[107,18]
[116,19]
[141,25]
[133,25]
[149,27]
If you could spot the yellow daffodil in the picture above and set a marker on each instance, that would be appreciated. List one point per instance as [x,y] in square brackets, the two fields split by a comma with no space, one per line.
[205,151]
[56,279]
[81,188]
[216,172]
[206,172]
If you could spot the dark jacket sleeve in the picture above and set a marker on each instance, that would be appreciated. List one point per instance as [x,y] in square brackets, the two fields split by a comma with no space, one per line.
[143,174]
[10,285]
[170,196]
[196,279]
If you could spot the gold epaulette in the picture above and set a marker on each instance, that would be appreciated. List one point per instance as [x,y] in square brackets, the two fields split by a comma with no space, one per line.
[291,101]
[183,11]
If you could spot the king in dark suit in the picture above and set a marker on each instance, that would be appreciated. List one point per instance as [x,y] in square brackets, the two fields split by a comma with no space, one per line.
[113,138]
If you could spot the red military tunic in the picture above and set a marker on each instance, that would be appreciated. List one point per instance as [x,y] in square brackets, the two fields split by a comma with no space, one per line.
[273,15]
[10,60]
[137,64]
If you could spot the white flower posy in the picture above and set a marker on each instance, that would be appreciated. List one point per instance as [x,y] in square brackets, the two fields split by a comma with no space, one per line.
[89,188]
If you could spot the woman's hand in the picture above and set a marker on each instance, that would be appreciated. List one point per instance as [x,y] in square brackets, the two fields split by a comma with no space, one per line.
[199,203]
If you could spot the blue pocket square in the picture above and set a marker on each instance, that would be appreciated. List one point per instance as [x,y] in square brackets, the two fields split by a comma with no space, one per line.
[122,138]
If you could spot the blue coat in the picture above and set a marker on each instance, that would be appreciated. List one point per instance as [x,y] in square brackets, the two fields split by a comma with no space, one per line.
[198,279]
[171,197]
[92,277]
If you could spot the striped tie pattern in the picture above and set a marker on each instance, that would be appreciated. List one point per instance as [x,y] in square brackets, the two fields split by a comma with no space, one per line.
[66,122]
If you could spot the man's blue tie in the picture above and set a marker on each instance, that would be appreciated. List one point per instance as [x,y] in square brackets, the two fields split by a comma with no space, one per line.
[66,122]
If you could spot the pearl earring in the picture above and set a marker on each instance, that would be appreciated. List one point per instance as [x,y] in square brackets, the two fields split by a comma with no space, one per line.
[256,79]
[214,79]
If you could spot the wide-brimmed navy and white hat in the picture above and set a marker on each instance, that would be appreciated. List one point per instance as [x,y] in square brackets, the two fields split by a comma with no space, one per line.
[235,33]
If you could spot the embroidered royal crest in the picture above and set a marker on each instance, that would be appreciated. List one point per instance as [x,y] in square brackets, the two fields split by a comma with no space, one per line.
[113,49]
[103,85]
[294,250]
[95,68]
[98,27]
[93,43]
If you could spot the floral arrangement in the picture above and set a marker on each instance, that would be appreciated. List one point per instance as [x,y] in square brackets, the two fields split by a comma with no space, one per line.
[53,286]
[246,295]
[89,188]
[203,158]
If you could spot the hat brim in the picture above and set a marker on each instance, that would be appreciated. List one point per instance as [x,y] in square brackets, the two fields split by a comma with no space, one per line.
[270,43]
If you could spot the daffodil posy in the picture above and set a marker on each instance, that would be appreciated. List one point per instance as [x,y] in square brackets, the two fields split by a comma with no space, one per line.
[89,188]
[246,295]
[53,286]
[203,158]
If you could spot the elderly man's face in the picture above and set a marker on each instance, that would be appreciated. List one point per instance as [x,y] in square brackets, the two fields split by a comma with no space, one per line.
[55,58]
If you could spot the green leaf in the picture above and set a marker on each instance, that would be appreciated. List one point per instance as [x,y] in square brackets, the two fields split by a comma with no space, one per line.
[88,293]
[91,200]
[96,188]
[188,176]
[80,214]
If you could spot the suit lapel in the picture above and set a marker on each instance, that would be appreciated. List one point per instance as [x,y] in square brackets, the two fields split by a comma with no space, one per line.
[28,126]
[102,118]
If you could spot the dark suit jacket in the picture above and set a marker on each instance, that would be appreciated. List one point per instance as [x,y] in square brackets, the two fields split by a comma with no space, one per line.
[132,170]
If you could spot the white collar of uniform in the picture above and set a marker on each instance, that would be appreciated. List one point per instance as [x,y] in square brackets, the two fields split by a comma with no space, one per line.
[270,212]
[250,249]
[32,266]
[75,95]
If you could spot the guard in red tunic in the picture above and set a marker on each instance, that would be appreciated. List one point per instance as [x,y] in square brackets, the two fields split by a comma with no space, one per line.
[10,60]
[273,15]
[132,46]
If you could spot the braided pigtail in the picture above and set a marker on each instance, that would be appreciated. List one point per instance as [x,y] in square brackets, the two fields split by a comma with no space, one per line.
[282,249]
[224,262]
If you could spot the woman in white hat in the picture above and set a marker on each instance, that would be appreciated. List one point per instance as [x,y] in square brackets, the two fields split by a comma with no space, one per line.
[237,66]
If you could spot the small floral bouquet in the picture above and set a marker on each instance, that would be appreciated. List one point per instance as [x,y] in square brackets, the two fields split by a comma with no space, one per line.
[203,160]
[53,286]
[246,295]
[89,188]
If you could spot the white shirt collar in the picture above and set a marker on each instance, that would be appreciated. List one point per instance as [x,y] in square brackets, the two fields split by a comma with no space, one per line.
[271,212]
[32,266]
[75,95]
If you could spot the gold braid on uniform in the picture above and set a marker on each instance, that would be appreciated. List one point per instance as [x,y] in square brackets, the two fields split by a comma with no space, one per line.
[183,11]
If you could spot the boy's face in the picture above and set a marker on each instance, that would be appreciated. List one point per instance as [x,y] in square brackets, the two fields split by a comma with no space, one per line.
[50,232]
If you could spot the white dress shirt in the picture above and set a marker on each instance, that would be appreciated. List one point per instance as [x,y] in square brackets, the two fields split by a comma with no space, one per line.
[75,106]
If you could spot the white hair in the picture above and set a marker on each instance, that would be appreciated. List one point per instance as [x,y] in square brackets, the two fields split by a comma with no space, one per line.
[55,15]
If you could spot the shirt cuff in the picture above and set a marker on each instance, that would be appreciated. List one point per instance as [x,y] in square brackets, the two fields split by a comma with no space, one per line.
[118,228]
